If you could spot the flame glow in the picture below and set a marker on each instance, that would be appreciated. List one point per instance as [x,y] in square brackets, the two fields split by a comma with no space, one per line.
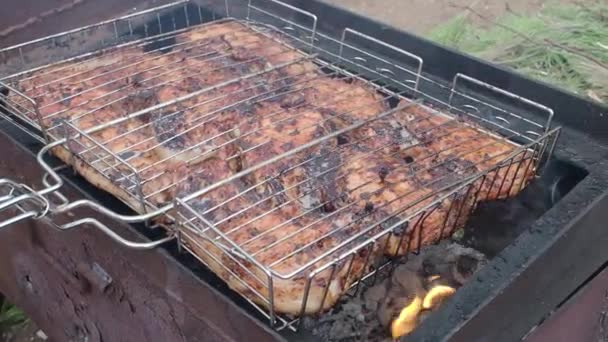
[433,277]
[408,319]
[436,295]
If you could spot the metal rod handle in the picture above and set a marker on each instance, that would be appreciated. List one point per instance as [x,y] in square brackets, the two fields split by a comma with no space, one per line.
[53,183]
[114,236]
[52,174]
[16,197]
[20,194]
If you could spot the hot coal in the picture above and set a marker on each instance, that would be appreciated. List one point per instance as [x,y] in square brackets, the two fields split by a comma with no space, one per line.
[367,316]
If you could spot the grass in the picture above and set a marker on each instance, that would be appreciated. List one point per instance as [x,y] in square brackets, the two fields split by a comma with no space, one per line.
[527,44]
[11,317]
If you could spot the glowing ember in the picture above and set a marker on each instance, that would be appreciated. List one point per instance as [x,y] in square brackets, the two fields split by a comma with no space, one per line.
[409,316]
[408,319]
[433,278]
[397,304]
[436,295]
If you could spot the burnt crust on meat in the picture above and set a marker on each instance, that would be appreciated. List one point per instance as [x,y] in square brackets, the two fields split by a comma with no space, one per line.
[289,213]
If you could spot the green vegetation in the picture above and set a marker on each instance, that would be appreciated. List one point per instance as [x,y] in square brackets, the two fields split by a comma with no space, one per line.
[563,45]
[10,317]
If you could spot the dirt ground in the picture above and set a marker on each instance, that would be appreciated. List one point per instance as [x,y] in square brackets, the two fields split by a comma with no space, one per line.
[27,333]
[421,16]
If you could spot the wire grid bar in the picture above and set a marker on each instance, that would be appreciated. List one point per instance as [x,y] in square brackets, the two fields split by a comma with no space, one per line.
[238,248]
[470,192]
[412,240]
[132,61]
[365,62]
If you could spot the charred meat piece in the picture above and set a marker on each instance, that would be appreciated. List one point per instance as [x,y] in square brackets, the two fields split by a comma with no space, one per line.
[227,104]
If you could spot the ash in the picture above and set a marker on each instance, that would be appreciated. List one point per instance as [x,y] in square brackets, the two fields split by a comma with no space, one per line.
[367,316]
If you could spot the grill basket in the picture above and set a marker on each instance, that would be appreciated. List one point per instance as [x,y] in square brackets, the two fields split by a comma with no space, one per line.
[393,72]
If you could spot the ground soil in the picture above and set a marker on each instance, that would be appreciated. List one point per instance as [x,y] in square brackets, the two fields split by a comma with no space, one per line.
[421,16]
[26,333]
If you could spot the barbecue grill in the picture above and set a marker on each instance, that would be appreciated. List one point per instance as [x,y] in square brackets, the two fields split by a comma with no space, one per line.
[394,71]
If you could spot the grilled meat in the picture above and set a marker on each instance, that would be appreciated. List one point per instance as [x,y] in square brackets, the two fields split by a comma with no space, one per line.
[247,107]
